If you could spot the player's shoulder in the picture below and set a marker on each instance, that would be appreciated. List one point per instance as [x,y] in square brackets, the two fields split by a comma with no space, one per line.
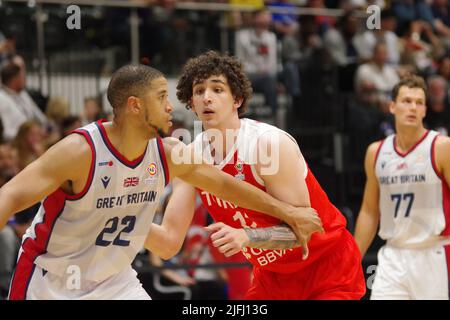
[442,142]
[372,152]
[170,142]
[74,152]
[373,148]
[442,150]
[78,142]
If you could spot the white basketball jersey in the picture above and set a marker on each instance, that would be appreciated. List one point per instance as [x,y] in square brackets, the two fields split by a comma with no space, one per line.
[414,199]
[99,231]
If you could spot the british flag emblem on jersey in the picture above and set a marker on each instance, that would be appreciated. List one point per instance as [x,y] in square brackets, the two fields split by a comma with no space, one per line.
[131,182]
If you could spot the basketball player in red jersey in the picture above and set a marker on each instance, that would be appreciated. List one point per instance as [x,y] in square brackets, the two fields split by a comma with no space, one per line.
[215,87]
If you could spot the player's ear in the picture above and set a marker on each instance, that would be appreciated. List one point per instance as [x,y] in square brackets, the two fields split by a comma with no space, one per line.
[134,104]
[237,103]
[392,107]
[190,106]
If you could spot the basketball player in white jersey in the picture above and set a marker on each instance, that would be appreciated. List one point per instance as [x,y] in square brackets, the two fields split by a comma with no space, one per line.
[100,187]
[407,193]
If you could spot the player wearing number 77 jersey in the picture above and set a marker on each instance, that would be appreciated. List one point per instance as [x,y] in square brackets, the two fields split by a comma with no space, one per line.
[407,192]
[101,186]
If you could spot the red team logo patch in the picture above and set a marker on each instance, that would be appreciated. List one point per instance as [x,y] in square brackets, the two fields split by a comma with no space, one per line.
[131,182]
[239,165]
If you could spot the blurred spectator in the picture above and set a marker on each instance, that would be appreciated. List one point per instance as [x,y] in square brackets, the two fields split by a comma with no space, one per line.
[284,23]
[323,23]
[383,76]
[361,4]
[9,163]
[441,15]
[93,110]
[297,51]
[57,110]
[309,38]
[444,67]
[415,51]
[29,143]
[340,41]
[69,124]
[438,111]
[291,57]
[243,19]
[10,240]
[7,47]
[407,11]
[256,47]
[16,105]
[369,120]
[366,41]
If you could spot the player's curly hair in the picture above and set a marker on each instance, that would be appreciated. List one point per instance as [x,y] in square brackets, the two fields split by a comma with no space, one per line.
[209,64]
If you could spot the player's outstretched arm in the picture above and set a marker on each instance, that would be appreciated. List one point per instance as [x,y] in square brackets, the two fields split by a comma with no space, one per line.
[369,214]
[68,160]
[165,240]
[226,187]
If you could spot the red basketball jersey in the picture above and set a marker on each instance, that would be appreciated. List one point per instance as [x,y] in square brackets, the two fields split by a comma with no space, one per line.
[239,164]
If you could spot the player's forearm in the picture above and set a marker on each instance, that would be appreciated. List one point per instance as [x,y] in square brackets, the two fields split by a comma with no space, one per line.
[276,237]
[160,242]
[365,231]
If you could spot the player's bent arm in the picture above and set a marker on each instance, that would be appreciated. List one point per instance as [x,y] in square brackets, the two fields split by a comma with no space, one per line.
[369,214]
[442,157]
[284,179]
[69,159]
[282,168]
[165,240]
[222,185]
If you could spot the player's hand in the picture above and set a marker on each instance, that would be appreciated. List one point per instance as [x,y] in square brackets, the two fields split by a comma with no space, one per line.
[304,222]
[228,240]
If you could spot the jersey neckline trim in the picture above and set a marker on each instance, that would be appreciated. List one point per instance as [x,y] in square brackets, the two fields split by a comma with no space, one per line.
[163,158]
[129,163]
[401,154]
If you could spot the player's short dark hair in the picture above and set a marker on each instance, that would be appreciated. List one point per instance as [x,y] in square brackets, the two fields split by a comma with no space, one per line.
[210,64]
[130,80]
[9,72]
[410,81]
